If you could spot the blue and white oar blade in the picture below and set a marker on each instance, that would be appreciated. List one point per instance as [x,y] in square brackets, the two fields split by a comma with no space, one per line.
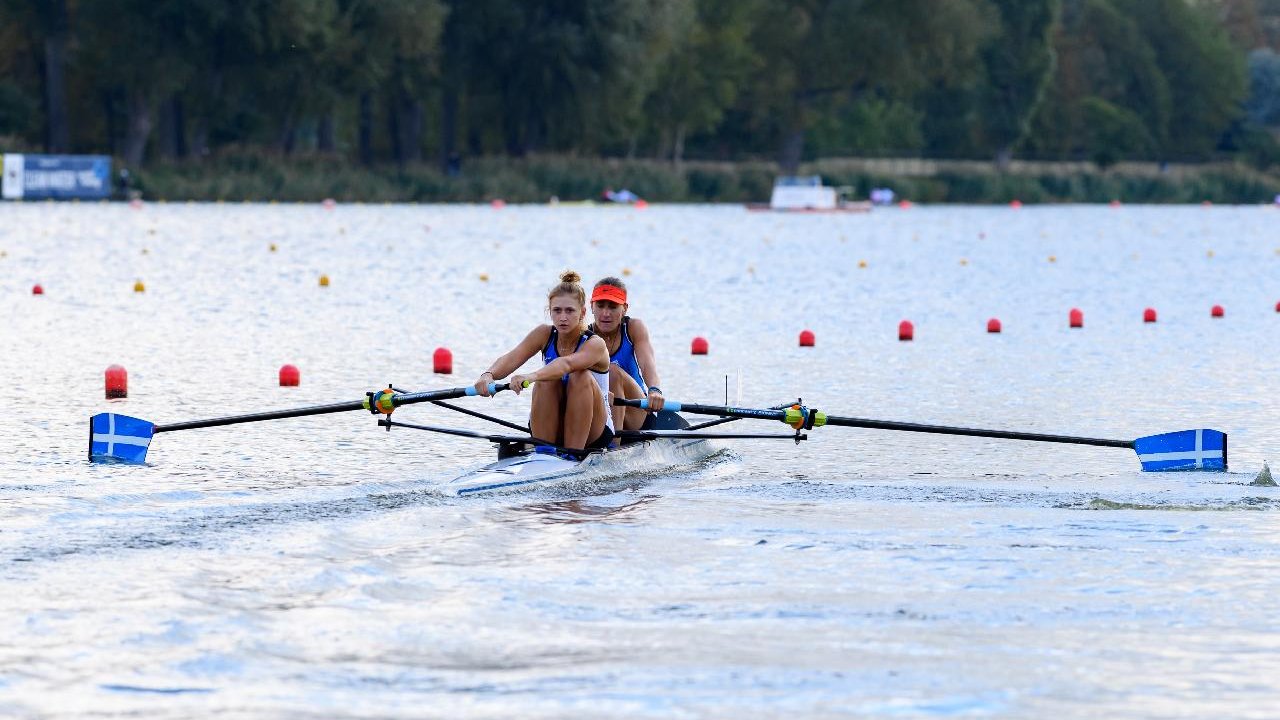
[1183,450]
[119,438]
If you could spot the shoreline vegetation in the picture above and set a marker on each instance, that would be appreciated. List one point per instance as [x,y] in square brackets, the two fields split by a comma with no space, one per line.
[263,177]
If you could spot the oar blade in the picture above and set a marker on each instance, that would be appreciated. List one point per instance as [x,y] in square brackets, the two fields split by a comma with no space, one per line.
[119,438]
[1183,450]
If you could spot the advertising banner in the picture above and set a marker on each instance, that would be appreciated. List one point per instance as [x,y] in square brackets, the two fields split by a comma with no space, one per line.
[63,177]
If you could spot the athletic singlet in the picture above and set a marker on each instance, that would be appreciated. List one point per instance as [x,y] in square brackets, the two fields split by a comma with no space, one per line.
[625,357]
[550,353]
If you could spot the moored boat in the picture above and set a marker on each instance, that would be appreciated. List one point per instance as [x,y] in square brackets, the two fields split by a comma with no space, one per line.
[807,194]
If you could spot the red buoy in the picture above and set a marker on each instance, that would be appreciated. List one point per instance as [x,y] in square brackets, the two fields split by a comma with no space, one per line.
[1076,318]
[906,331]
[1016,204]
[328,203]
[497,203]
[806,338]
[290,376]
[117,382]
[37,289]
[1217,311]
[1149,315]
[1278,307]
[641,204]
[993,325]
[699,346]
[442,361]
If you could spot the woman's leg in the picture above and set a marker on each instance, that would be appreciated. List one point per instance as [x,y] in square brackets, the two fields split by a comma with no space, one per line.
[624,386]
[583,411]
[547,407]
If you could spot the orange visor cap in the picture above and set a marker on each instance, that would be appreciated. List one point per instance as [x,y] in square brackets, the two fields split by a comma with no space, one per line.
[611,293]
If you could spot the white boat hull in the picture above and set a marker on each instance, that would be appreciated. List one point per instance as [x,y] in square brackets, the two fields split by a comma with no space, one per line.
[528,471]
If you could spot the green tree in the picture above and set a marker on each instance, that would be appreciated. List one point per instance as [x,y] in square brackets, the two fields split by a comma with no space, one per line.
[1263,105]
[1205,73]
[1018,65]
[1103,54]
[816,49]
[712,59]
[47,23]
[557,73]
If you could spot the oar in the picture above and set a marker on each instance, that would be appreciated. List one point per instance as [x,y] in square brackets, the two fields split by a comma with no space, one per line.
[1202,449]
[115,437]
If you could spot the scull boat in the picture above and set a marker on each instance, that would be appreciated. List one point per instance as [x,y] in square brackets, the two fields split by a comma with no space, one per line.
[669,441]
[523,463]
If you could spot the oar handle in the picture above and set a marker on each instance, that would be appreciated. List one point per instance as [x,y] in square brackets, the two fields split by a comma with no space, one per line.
[643,404]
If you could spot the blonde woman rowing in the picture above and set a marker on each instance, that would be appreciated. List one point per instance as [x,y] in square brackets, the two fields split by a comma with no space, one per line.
[571,389]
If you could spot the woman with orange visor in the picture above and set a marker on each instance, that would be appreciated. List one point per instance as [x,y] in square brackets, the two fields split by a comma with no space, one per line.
[633,371]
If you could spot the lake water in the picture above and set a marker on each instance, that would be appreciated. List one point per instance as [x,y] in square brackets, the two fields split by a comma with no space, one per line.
[312,568]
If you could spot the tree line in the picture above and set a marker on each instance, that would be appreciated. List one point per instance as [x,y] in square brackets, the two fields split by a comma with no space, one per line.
[417,81]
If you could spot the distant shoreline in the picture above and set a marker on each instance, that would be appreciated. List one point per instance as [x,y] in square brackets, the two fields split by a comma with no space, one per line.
[537,179]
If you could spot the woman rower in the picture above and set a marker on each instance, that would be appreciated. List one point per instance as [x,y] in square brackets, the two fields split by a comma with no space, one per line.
[571,389]
[630,353]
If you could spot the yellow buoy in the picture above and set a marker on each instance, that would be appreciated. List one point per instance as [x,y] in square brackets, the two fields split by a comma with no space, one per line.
[963,262]
[1053,258]
[484,277]
[272,247]
[324,281]
[139,287]
[1210,253]
[626,272]
[146,251]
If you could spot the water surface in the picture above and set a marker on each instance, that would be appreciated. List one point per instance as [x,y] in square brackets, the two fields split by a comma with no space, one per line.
[313,567]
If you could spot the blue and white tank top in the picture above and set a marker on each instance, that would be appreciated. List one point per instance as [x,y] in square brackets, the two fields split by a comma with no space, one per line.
[550,352]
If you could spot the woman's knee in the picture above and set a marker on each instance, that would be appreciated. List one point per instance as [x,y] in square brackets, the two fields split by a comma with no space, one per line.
[579,379]
[547,392]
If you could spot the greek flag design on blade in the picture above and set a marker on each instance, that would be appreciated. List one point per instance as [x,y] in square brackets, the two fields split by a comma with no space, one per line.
[1183,450]
[119,437]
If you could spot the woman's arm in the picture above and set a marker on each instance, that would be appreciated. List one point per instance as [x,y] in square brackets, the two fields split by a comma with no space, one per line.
[647,362]
[512,360]
[593,353]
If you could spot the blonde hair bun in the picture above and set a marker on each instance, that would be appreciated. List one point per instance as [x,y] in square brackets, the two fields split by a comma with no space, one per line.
[570,276]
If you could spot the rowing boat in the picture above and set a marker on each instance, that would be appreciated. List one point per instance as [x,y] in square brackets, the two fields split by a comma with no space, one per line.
[667,440]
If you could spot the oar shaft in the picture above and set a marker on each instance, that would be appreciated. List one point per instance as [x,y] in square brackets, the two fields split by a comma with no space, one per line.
[823,419]
[258,417]
[974,432]
[396,400]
